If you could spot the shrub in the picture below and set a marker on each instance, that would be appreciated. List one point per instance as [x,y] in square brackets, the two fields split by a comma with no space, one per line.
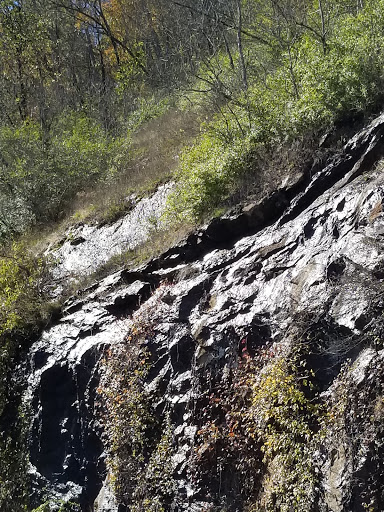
[80,150]
[208,173]
[22,309]
[286,421]
[58,506]
[302,89]
[258,431]
[21,290]
[39,177]
[138,441]
[42,172]
[24,175]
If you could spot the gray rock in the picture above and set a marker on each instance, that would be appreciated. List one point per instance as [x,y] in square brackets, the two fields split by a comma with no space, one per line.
[105,501]
[311,252]
[88,247]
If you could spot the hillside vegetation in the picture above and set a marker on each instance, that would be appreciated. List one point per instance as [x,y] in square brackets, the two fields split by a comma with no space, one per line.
[80,80]
[103,98]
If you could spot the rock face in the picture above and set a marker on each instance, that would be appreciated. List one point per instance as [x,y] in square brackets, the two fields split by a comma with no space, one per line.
[86,247]
[307,264]
[66,450]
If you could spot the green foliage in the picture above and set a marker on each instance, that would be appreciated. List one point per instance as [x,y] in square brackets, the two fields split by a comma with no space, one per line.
[42,176]
[286,421]
[282,409]
[20,290]
[24,177]
[129,72]
[58,506]
[13,448]
[72,103]
[306,85]
[156,487]
[43,508]
[42,172]
[146,109]
[22,310]
[79,148]
[129,419]
[208,172]
[262,425]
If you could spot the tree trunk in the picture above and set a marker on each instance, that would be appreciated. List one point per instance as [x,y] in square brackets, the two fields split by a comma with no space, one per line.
[243,68]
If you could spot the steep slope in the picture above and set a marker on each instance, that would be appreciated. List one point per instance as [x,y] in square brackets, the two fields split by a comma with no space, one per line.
[86,248]
[250,357]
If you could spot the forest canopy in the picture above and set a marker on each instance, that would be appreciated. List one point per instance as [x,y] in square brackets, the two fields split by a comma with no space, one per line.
[79,77]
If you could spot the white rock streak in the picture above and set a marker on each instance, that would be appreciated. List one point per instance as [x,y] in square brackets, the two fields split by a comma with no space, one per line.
[98,244]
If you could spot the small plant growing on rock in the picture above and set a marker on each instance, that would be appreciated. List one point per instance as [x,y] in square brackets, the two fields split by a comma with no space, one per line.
[138,441]
[286,422]
[58,506]
[227,452]
[258,432]
[156,488]
[128,417]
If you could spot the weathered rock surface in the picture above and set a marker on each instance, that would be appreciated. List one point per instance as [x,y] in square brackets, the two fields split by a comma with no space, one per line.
[310,254]
[86,247]
[66,451]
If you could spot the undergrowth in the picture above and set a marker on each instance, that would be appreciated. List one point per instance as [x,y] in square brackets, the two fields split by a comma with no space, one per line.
[308,91]
[258,434]
[286,422]
[138,440]
[24,310]
[22,279]
[58,506]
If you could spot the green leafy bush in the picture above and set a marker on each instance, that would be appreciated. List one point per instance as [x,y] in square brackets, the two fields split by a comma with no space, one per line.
[305,87]
[286,421]
[79,148]
[41,176]
[21,294]
[24,176]
[42,171]
[208,172]
[22,310]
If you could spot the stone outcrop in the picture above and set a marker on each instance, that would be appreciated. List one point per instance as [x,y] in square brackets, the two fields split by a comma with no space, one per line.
[87,247]
[307,259]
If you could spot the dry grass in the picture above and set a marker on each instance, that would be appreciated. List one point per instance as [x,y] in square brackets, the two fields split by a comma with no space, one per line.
[155,146]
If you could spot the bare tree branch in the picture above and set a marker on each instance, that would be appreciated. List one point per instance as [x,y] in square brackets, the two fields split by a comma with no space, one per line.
[232,26]
[104,26]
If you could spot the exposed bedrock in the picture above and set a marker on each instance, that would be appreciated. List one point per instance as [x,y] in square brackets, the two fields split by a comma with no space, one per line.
[309,255]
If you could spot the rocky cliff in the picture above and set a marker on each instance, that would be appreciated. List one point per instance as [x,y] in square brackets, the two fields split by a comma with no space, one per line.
[241,370]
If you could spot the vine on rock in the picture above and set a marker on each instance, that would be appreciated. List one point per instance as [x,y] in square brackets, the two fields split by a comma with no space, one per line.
[138,439]
[258,433]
